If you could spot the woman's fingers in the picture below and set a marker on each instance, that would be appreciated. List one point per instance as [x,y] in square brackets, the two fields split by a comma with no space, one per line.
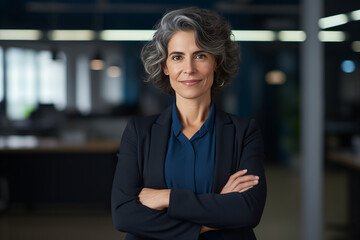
[238,174]
[244,179]
[243,190]
[242,187]
[239,182]
[235,176]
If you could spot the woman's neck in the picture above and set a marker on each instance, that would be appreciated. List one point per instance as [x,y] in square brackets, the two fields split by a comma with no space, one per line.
[193,112]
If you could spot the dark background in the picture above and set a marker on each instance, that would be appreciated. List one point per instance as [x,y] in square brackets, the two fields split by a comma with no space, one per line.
[70,174]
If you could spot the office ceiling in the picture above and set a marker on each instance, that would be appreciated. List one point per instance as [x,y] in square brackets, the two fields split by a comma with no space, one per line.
[143,14]
[139,14]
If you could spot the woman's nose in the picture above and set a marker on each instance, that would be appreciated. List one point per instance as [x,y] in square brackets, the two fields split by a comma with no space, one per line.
[189,66]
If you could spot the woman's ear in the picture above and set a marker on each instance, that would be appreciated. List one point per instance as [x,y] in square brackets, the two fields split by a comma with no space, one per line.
[165,70]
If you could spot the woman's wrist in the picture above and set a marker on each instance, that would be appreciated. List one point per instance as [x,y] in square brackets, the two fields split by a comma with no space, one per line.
[166,198]
[205,229]
[157,199]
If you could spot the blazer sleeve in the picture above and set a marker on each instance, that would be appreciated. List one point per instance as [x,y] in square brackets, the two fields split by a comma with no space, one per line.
[232,210]
[128,214]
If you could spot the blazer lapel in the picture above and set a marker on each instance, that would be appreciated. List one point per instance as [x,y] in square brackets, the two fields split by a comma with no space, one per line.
[158,146]
[224,149]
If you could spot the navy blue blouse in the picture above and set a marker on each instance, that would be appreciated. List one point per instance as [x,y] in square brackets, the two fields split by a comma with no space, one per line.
[190,164]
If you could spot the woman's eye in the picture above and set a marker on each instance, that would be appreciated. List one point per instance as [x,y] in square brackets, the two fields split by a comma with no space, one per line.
[200,56]
[176,58]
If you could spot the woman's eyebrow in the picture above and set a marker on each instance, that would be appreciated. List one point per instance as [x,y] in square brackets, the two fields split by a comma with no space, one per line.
[200,51]
[177,53]
[181,53]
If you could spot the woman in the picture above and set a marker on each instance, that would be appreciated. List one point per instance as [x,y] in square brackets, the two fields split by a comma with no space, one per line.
[193,171]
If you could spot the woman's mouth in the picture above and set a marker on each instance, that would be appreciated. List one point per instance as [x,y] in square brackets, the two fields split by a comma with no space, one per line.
[190,83]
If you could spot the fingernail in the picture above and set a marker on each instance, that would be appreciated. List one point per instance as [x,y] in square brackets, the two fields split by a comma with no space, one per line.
[256,181]
[257,177]
[245,170]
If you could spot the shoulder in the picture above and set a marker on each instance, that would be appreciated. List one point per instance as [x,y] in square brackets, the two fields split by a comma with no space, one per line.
[143,125]
[140,125]
[247,131]
[240,123]
[144,121]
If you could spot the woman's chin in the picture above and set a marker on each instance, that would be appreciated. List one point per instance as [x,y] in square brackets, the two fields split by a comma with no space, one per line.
[192,95]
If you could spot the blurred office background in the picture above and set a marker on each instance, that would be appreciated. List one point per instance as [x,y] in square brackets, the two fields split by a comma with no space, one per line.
[68,85]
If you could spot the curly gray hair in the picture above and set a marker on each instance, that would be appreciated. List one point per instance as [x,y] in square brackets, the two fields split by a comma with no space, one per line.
[212,35]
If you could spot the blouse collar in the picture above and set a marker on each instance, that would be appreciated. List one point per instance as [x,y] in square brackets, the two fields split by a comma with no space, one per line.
[208,125]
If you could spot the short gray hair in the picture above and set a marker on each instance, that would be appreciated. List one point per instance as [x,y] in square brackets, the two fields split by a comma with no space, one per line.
[212,34]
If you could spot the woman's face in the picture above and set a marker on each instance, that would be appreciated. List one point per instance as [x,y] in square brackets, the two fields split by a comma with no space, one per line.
[190,69]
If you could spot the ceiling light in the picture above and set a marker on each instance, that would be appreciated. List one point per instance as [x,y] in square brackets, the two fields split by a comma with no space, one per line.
[355,15]
[275,77]
[254,35]
[97,63]
[147,35]
[332,36]
[348,66]
[20,34]
[127,35]
[71,35]
[332,21]
[114,71]
[292,36]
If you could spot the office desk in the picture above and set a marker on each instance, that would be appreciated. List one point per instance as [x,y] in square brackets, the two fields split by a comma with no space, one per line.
[64,147]
[345,158]
[352,166]
[53,174]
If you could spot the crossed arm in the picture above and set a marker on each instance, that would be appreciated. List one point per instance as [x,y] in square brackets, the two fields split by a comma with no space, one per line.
[185,214]
[159,199]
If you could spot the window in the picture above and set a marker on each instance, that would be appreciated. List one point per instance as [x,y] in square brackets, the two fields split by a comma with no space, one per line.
[32,77]
[83,88]
[1,74]
[20,83]
[52,75]
[112,86]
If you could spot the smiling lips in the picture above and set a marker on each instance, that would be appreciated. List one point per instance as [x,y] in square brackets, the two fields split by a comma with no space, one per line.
[190,83]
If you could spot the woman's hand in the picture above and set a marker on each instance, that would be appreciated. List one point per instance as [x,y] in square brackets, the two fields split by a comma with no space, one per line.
[155,198]
[238,182]
[205,229]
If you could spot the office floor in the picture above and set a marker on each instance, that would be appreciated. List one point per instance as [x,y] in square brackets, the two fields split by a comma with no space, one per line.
[281,218]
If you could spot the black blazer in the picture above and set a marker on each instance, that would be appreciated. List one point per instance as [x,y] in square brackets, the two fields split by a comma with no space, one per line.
[141,164]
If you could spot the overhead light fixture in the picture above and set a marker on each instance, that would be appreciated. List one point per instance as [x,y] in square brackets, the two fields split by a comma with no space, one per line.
[333,21]
[355,15]
[127,35]
[97,63]
[332,36]
[20,34]
[292,36]
[355,46]
[254,35]
[275,77]
[147,35]
[348,66]
[71,35]
[114,71]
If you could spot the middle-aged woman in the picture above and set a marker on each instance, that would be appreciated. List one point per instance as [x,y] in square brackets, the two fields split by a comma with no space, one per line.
[193,171]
